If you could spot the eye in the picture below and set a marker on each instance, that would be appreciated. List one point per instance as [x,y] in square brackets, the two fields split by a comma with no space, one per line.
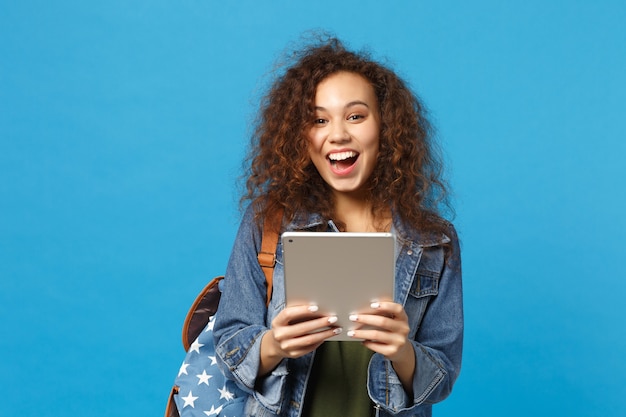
[355,117]
[319,121]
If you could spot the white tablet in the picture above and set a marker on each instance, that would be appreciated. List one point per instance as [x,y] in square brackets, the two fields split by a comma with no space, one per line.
[340,272]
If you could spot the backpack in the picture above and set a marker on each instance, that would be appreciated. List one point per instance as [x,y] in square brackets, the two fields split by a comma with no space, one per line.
[201,389]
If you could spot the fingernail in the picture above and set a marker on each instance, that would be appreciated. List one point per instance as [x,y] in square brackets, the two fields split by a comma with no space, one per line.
[350,333]
[332,319]
[353,317]
[375,305]
[313,309]
[337,330]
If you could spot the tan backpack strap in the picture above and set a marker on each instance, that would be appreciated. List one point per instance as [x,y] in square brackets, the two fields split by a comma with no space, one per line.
[267,255]
[206,303]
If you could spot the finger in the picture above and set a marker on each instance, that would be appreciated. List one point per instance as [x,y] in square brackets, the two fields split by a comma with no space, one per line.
[387,344]
[303,327]
[395,324]
[298,346]
[372,320]
[313,326]
[294,314]
[378,336]
[380,327]
[389,309]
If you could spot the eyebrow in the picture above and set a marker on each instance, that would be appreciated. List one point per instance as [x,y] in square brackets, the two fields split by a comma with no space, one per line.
[350,104]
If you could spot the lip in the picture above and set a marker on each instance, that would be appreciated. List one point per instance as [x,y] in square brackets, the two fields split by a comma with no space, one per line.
[348,153]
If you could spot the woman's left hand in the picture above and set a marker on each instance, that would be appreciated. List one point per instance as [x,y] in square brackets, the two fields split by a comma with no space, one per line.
[386,332]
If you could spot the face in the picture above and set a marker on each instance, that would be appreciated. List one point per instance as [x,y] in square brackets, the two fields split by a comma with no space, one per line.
[344,138]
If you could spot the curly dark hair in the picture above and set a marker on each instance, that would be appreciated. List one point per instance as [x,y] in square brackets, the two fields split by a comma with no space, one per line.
[407,177]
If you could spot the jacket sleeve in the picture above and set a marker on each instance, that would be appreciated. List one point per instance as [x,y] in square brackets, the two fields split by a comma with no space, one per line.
[438,348]
[241,317]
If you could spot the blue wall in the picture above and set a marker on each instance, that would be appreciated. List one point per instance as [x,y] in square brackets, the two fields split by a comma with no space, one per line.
[122,129]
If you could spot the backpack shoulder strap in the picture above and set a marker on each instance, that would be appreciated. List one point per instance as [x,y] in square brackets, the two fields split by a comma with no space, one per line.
[206,302]
[267,254]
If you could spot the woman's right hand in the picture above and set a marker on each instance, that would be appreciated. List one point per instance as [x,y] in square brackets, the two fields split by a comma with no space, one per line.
[295,331]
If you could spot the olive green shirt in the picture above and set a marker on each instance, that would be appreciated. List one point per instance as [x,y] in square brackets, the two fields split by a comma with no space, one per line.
[338,382]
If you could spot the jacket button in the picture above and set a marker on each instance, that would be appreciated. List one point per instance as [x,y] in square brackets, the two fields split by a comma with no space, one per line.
[409,252]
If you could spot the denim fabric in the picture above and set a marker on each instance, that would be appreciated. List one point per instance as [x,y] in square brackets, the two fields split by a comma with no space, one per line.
[427,283]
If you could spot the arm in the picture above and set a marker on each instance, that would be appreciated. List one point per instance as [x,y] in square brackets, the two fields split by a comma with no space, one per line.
[437,342]
[240,320]
[248,350]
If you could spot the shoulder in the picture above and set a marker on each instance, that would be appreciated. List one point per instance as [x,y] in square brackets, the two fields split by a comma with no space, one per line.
[440,233]
[249,230]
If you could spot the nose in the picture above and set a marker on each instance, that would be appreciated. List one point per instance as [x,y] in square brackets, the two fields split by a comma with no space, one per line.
[338,133]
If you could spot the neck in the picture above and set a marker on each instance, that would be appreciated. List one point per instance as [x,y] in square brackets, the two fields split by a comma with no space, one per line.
[355,213]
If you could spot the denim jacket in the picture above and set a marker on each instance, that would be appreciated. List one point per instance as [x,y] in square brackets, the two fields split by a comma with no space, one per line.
[427,283]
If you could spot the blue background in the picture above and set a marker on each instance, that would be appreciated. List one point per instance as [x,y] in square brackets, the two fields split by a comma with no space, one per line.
[122,129]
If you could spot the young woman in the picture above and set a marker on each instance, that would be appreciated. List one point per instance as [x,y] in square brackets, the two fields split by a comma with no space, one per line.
[343,145]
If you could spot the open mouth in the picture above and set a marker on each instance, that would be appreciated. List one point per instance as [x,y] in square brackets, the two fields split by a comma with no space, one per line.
[343,160]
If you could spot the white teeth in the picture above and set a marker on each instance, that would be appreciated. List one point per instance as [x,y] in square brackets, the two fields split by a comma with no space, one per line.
[341,156]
